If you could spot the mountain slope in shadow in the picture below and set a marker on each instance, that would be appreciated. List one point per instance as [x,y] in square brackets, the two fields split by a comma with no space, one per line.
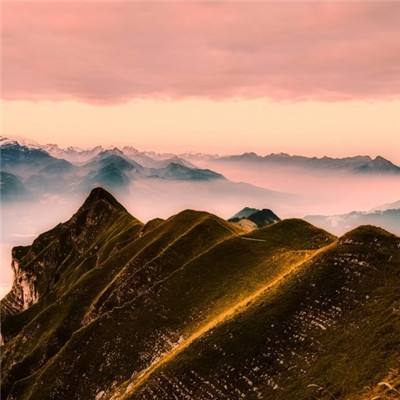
[193,307]
[260,218]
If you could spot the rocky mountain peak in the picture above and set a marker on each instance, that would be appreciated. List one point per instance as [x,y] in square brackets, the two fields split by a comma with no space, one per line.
[38,267]
[99,194]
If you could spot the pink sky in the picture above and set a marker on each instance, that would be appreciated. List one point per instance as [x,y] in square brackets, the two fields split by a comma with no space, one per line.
[84,59]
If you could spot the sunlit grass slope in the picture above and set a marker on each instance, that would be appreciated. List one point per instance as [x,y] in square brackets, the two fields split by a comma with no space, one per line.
[194,307]
[328,331]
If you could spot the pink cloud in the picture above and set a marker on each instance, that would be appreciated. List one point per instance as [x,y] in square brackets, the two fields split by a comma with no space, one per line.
[110,52]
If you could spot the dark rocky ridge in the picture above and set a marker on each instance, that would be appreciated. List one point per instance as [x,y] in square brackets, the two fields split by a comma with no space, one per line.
[261,218]
[39,267]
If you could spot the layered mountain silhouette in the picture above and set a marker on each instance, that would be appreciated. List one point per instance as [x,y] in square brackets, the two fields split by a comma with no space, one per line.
[177,171]
[388,219]
[110,168]
[34,170]
[356,164]
[40,172]
[194,307]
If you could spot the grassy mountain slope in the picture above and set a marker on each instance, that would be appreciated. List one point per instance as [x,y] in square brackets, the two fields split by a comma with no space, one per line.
[193,307]
[37,318]
[181,273]
[325,332]
[50,322]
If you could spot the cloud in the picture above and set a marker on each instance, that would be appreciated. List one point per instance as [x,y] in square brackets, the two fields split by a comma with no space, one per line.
[111,52]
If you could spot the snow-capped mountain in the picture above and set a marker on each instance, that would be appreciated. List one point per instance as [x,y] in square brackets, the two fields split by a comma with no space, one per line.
[72,154]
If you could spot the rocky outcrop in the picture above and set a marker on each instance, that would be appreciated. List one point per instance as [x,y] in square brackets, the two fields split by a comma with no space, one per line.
[40,268]
[260,218]
[23,292]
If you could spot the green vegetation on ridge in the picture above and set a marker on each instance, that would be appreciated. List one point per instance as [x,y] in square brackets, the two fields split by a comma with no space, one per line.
[211,311]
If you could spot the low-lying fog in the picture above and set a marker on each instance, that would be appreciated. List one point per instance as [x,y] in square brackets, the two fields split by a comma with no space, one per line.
[305,193]
[321,192]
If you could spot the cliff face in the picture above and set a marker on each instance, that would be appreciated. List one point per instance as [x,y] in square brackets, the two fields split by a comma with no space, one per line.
[23,292]
[194,308]
[54,258]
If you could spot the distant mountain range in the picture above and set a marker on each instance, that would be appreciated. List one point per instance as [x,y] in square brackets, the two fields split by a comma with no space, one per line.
[356,164]
[388,219]
[194,307]
[79,155]
[153,185]
[388,206]
[26,169]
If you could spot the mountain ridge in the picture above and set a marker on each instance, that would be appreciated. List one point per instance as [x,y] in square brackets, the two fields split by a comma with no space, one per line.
[278,387]
[157,310]
[38,171]
[357,163]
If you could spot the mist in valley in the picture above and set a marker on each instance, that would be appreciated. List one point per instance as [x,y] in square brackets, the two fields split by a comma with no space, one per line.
[288,191]
[318,191]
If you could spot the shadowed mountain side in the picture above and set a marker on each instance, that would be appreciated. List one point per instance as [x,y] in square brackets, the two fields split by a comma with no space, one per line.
[260,218]
[15,156]
[49,268]
[111,169]
[172,245]
[46,258]
[60,256]
[11,187]
[55,319]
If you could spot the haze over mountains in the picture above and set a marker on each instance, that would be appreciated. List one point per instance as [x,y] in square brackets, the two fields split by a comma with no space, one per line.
[338,224]
[357,164]
[42,184]
[38,170]
[73,169]
[145,267]
[111,168]
[159,186]
[194,307]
